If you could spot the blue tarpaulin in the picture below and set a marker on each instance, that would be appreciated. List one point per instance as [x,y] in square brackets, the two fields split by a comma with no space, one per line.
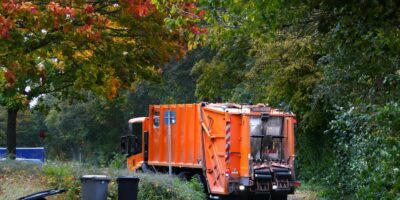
[27,153]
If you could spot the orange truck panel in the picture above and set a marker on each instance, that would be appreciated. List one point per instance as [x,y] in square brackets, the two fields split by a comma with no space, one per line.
[235,147]
[185,137]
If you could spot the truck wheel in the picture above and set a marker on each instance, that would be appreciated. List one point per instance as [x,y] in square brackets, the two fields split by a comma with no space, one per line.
[182,176]
[199,179]
[279,197]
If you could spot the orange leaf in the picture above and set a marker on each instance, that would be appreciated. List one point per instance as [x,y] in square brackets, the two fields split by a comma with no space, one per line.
[10,77]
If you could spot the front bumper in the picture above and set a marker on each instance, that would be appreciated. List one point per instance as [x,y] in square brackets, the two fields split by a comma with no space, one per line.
[265,180]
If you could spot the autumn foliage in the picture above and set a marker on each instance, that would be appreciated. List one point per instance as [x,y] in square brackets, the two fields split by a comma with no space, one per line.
[140,8]
[62,15]
[10,78]
[194,14]
[64,38]
[66,47]
[5,26]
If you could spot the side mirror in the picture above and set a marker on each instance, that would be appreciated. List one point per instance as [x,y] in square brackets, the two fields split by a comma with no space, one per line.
[123,145]
[127,146]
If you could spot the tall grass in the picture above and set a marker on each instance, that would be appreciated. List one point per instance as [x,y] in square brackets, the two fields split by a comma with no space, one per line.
[19,179]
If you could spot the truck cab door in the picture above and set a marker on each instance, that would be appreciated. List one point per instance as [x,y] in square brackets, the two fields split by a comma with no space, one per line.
[132,145]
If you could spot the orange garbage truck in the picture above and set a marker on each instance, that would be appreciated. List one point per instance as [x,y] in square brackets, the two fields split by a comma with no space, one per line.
[232,149]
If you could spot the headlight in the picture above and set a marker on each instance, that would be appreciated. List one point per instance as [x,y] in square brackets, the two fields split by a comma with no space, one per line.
[274,187]
[241,187]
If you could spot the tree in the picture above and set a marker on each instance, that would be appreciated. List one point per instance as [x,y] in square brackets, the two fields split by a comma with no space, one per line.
[63,47]
[335,64]
[177,84]
[85,130]
[29,125]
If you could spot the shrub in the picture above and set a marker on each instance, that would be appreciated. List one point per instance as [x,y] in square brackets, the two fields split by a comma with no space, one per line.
[161,186]
[367,159]
[118,161]
[65,176]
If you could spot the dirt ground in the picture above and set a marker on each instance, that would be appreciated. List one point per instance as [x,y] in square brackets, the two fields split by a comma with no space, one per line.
[301,196]
[304,194]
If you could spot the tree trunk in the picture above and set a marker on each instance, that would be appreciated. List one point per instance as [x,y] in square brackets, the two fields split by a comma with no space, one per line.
[12,133]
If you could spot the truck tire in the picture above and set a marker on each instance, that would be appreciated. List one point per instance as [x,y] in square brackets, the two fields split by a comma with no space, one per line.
[183,176]
[199,178]
[279,197]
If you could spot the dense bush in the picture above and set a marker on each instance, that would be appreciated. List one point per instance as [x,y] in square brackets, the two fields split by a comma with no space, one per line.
[163,187]
[65,176]
[367,158]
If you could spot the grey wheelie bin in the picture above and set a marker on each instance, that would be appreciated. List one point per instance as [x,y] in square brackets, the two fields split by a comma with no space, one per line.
[94,187]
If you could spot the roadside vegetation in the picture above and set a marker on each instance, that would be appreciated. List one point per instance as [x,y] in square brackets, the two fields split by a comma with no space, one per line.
[21,179]
[310,191]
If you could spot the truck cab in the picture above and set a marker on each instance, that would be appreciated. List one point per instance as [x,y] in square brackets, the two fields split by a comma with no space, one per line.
[135,144]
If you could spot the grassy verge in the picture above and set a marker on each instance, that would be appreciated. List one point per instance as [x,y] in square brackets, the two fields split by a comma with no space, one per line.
[21,179]
[309,191]
[18,179]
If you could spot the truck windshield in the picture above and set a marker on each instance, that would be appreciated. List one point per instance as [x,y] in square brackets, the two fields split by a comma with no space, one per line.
[266,138]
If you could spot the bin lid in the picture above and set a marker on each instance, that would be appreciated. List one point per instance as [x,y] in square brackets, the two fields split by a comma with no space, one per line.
[122,178]
[96,177]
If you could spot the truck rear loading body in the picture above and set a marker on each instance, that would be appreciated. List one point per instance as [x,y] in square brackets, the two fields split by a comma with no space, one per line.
[233,149]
